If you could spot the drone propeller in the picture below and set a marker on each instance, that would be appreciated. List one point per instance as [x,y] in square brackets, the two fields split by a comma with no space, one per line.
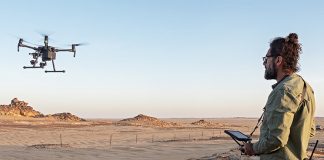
[44,33]
[31,43]
[45,37]
[80,44]
[22,40]
[73,49]
[19,43]
[76,44]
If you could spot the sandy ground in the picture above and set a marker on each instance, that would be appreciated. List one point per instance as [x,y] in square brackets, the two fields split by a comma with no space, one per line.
[31,139]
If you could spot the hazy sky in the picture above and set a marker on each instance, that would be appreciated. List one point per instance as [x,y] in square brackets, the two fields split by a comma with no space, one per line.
[164,58]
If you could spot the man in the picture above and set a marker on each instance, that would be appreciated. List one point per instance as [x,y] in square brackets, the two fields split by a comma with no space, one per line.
[288,120]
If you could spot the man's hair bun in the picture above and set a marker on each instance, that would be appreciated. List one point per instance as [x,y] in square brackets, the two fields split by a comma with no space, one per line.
[292,37]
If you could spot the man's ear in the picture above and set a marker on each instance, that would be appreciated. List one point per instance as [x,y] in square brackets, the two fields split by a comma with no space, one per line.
[279,60]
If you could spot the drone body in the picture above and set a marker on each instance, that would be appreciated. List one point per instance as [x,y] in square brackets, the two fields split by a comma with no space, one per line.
[46,53]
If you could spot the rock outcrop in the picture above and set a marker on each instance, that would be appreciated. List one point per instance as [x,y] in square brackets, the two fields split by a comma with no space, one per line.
[65,116]
[147,121]
[203,123]
[21,109]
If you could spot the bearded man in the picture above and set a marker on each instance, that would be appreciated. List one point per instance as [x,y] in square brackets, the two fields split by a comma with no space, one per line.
[288,119]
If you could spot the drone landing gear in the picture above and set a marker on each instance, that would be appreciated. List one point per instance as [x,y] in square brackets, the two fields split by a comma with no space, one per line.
[25,67]
[34,62]
[54,70]
[63,71]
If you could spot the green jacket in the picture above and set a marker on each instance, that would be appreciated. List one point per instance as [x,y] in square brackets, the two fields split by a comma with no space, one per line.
[287,125]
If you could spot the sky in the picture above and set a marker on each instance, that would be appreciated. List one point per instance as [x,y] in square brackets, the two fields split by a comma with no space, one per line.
[163,58]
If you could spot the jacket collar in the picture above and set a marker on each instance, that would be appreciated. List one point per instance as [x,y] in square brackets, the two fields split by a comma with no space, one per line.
[275,85]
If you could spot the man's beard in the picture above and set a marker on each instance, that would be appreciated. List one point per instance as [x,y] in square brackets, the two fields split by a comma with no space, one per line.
[271,72]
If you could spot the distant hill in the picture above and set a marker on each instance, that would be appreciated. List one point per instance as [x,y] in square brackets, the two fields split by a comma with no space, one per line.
[21,109]
[146,121]
[204,123]
[64,116]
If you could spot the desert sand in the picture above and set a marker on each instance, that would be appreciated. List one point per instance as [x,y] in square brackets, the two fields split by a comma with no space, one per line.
[141,137]
[26,133]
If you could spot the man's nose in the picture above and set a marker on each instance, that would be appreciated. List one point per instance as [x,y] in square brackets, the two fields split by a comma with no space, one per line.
[265,63]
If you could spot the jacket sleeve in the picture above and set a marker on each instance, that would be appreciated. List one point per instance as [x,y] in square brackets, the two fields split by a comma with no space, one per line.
[279,119]
[313,129]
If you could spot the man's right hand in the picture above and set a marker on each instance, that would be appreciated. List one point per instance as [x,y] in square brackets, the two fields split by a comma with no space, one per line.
[248,149]
[242,149]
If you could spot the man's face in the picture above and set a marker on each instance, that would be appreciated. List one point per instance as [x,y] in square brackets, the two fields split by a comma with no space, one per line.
[270,67]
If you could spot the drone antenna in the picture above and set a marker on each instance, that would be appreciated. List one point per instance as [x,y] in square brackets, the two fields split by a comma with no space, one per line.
[46,40]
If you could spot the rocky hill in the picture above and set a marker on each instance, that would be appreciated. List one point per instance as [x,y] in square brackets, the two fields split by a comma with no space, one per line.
[203,123]
[147,121]
[21,109]
[65,117]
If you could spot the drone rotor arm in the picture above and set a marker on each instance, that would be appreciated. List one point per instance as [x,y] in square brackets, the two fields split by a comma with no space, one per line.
[27,46]
[63,50]
[66,50]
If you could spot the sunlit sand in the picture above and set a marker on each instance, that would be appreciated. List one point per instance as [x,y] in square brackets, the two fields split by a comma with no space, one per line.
[30,138]
[26,133]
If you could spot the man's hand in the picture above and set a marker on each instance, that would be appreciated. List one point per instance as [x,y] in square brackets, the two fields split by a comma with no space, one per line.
[248,149]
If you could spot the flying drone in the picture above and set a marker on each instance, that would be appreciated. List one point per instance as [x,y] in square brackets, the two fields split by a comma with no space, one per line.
[46,53]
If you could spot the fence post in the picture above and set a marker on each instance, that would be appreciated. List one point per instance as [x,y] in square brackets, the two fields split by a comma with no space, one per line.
[110,139]
[61,140]
[136,138]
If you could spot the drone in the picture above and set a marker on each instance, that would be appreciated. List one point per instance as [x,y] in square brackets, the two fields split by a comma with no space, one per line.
[46,53]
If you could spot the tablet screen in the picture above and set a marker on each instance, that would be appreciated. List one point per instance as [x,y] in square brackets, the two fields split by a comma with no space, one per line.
[239,135]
